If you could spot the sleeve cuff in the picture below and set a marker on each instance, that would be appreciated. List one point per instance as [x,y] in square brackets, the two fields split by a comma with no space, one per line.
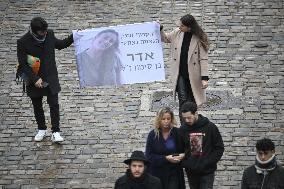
[206,78]
[71,38]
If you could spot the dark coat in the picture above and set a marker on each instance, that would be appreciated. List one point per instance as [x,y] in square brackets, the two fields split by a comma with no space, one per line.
[203,146]
[273,180]
[159,166]
[150,182]
[27,45]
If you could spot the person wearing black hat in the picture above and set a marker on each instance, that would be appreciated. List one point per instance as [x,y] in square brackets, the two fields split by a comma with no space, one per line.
[136,176]
[36,57]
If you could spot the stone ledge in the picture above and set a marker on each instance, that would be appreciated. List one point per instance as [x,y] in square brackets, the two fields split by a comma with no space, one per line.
[152,100]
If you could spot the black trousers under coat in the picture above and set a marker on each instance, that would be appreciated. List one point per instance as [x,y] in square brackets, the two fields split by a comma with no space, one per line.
[52,100]
[184,92]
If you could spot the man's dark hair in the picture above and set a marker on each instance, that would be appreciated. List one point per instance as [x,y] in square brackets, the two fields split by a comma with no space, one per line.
[38,24]
[265,144]
[189,107]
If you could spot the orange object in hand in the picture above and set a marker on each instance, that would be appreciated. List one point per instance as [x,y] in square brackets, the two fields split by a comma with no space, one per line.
[34,63]
[36,66]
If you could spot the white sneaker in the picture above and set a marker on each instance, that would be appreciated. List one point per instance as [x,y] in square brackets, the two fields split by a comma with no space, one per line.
[40,135]
[55,137]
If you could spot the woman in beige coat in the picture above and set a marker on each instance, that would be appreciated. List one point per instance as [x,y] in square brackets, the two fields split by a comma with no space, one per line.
[189,60]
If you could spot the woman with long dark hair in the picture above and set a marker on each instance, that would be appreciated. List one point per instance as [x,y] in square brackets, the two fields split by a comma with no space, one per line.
[189,60]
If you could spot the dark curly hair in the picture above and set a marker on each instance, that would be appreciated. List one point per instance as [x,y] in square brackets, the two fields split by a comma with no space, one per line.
[38,24]
[188,107]
[265,144]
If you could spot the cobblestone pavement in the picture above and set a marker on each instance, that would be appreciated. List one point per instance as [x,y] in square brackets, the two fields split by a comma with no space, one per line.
[103,125]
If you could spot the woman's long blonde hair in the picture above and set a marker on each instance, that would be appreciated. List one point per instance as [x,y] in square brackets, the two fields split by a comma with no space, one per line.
[159,117]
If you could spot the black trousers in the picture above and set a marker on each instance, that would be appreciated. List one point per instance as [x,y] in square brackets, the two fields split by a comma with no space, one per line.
[184,92]
[173,182]
[52,100]
[200,181]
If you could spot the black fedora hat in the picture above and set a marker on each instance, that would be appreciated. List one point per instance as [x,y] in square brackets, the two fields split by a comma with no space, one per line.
[138,156]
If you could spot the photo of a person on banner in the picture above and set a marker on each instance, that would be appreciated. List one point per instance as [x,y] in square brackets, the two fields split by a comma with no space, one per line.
[102,64]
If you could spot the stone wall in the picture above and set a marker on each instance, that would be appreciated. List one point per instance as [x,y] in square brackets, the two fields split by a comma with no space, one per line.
[103,125]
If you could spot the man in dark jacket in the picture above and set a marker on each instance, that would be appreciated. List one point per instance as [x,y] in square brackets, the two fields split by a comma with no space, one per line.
[265,173]
[136,176]
[203,146]
[36,56]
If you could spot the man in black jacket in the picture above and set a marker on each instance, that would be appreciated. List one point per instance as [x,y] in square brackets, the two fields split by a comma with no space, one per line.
[265,173]
[136,176]
[203,146]
[36,56]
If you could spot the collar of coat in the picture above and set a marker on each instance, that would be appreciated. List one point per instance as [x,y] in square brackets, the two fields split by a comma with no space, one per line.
[193,42]
[265,166]
[124,179]
[37,43]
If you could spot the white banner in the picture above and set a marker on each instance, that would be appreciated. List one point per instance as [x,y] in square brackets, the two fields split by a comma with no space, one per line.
[118,55]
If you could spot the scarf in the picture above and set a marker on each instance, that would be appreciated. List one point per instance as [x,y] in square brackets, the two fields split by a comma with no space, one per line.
[263,167]
[41,40]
